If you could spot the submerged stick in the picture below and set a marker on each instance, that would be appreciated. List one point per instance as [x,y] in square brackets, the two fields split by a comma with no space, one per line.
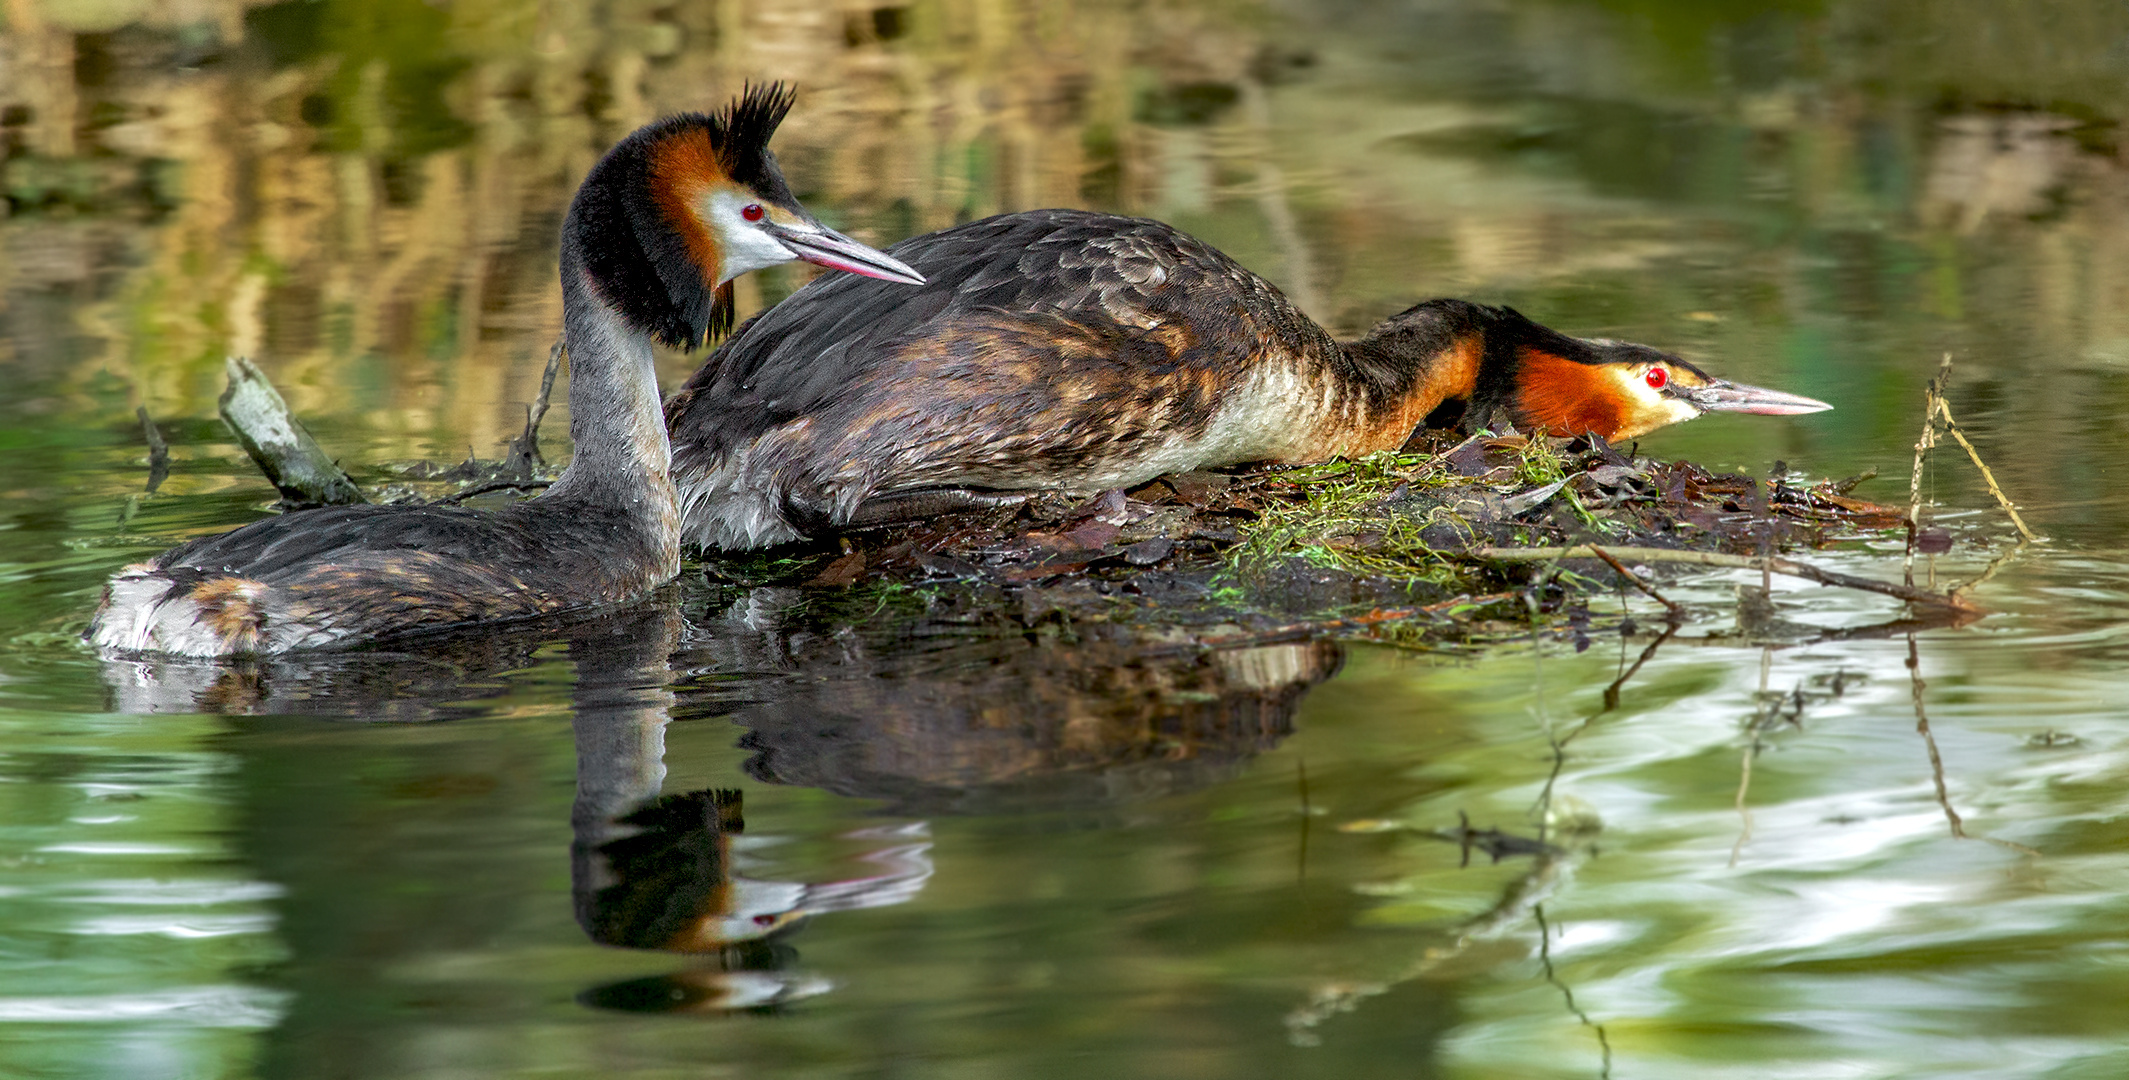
[1736,562]
[1936,760]
[1989,571]
[1304,631]
[283,449]
[1676,610]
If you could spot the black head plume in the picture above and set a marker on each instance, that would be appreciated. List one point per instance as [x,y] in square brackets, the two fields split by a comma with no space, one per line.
[634,224]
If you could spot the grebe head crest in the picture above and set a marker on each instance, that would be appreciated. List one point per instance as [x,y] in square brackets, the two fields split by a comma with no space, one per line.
[678,209]
[1486,365]
[1620,390]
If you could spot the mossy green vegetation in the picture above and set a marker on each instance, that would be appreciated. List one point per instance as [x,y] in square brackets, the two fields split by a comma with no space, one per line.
[1355,515]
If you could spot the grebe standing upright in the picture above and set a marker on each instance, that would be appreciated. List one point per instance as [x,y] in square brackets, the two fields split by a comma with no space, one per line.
[654,237]
[1072,351]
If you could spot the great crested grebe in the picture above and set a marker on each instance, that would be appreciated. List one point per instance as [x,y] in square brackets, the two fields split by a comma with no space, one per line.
[654,237]
[1073,351]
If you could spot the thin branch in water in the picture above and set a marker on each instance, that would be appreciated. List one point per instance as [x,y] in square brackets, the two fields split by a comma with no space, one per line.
[1937,408]
[1543,806]
[1989,571]
[1778,564]
[554,365]
[1923,445]
[525,456]
[1763,524]
[1936,760]
[1549,872]
[1611,693]
[1951,427]
[495,485]
[1604,1045]
[1303,631]
[1744,775]
[158,450]
[1676,611]
[1537,681]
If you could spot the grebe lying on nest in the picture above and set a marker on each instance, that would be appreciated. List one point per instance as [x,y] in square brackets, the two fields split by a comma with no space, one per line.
[654,237]
[1070,351]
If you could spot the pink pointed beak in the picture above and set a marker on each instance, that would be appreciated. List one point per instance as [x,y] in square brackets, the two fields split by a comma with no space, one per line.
[1723,396]
[838,252]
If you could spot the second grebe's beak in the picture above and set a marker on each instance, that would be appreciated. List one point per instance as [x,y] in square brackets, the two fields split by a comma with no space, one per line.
[823,245]
[1720,395]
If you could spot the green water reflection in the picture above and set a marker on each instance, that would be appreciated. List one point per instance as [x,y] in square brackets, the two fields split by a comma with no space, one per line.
[983,851]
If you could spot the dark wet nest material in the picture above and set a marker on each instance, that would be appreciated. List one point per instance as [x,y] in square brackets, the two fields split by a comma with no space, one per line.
[1445,538]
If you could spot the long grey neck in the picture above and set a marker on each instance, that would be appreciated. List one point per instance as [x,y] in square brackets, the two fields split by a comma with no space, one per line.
[623,459]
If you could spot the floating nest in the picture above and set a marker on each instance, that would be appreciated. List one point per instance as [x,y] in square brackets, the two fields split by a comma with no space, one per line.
[1454,540]
[1449,538]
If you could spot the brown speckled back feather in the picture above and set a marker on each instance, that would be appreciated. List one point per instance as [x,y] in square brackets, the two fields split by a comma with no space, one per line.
[1053,348]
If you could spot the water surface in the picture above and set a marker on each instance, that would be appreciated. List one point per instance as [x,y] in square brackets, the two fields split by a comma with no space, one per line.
[961,849]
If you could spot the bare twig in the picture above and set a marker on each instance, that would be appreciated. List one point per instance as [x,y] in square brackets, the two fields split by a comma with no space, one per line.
[1549,873]
[1677,611]
[1922,448]
[1779,565]
[1611,693]
[158,450]
[1938,408]
[495,485]
[1543,806]
[539,407]
[525,456]
[1944,410]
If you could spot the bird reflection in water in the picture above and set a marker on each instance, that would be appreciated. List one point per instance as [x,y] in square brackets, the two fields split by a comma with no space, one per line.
[672,880]
[943,718]
[668,872]
[930,716]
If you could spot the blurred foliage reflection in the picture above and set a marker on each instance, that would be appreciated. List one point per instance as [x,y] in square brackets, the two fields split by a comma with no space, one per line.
[365,194]
[1133,869]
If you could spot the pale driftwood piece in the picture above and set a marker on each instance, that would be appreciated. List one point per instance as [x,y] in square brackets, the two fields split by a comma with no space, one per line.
[1777,564]
[283,449]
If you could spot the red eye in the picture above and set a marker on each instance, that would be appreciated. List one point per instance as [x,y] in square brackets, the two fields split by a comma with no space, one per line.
[752,211]
[1658,378]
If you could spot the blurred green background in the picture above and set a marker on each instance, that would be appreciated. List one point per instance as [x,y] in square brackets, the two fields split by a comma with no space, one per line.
[1821,197]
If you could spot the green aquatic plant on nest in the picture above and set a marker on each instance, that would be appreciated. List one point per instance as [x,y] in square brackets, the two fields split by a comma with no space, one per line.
[1388,515]
[1354,517]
